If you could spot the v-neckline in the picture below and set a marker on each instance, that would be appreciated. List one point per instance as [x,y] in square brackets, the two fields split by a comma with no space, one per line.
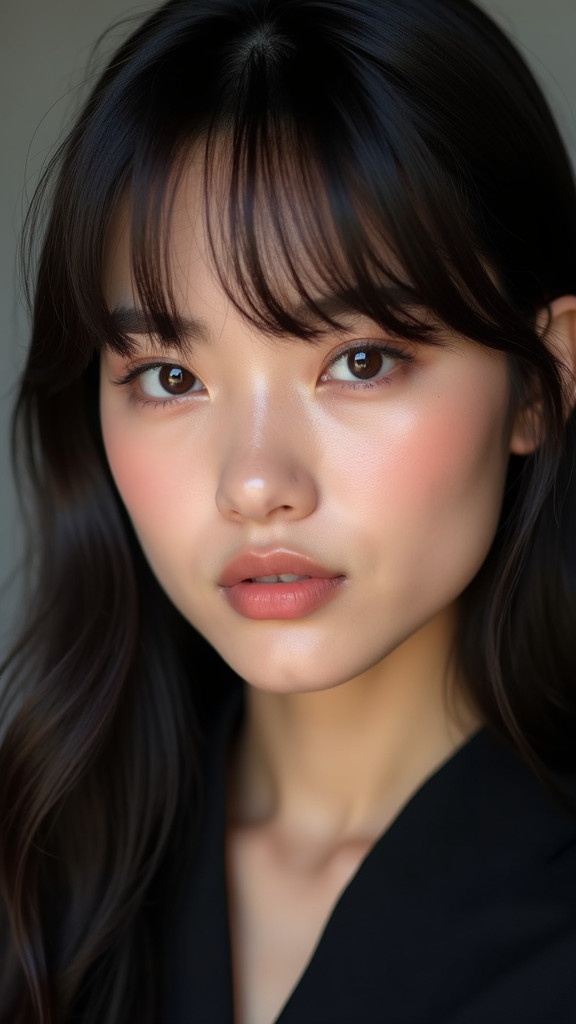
[286,1014]
[434,899]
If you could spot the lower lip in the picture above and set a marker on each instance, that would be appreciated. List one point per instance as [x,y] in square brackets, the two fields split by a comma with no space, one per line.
[282,600]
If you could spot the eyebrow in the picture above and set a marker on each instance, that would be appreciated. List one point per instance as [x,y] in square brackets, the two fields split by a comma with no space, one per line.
[130,320]
[323,309]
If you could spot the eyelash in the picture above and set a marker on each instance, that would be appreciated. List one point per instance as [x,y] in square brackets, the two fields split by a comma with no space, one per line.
[387,351]
[398,354]
[130,379]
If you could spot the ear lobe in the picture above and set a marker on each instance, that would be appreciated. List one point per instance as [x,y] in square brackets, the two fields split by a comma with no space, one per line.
[556,325]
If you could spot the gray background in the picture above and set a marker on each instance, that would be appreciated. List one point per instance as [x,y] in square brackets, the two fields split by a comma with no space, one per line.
[45,46]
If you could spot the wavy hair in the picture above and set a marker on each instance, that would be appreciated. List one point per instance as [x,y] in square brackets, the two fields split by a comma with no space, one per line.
[397,153]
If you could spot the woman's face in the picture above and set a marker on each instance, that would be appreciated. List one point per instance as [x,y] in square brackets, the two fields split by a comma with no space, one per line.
[372,468]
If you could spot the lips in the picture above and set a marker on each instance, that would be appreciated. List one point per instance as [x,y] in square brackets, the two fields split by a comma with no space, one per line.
[278,585]
[250,566]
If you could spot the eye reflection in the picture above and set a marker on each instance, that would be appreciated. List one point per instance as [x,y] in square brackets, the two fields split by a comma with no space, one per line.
[366,362]
[168,379]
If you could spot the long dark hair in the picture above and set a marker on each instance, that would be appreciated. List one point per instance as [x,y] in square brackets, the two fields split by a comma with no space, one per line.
[403,147]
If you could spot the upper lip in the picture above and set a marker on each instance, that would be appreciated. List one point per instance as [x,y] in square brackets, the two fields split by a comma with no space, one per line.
[251,564]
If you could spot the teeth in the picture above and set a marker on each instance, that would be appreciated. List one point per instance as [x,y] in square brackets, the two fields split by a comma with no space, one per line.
[286,577]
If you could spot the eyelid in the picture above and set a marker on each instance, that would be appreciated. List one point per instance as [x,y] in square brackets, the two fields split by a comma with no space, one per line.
[133,373]
[392,349]
[136,370]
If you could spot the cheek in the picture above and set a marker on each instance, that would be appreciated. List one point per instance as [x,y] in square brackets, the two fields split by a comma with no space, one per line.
[151,471]
[134,469]
[461,455]
[133,478]
[430,494]
[429,457]
[457,477]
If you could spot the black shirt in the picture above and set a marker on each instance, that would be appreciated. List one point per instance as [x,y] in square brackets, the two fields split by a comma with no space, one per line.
[464,911]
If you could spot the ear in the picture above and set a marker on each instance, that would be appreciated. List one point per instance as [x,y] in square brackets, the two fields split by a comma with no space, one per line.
[556,325]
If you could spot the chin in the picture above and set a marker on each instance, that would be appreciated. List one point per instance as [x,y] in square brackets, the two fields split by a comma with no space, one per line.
[287,673]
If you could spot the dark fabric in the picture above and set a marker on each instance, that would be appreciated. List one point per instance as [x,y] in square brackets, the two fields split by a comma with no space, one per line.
[464,912]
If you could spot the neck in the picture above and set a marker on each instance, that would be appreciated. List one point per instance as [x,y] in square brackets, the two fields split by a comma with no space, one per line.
[341,762]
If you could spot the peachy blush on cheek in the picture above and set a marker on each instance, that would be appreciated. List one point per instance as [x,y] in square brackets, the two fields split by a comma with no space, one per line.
[278,456]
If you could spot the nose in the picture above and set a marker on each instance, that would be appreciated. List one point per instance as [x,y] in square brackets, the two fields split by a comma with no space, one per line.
[267,471]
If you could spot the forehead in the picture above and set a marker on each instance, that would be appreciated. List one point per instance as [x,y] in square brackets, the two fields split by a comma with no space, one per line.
[210,236]
[284,248]
[180,227]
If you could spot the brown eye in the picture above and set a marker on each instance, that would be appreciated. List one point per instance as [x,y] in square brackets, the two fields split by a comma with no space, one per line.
[175,380]
[363,362]
[168,379]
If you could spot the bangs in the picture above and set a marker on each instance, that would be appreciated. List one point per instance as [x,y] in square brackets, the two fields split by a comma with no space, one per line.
[325,183]
[298,233]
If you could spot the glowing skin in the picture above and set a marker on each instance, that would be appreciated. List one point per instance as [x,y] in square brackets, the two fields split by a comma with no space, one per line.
[387,495]
[277,461]
[393,484]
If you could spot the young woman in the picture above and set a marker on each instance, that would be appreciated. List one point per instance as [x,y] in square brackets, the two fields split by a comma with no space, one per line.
[289,730]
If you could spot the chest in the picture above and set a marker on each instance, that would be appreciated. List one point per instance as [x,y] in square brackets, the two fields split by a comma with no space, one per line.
[279,903]
[463,912]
